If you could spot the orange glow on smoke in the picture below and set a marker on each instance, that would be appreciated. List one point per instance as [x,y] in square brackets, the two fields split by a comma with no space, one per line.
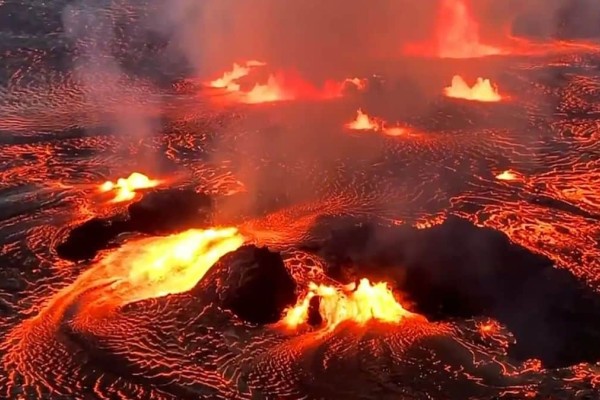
[359,304]
[363,122]
[156,267]
[125,188]
[456,35]
[482,90]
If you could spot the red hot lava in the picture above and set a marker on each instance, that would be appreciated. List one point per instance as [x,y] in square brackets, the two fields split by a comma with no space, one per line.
[364,122]
[456,35]
[280,86]
[482,90]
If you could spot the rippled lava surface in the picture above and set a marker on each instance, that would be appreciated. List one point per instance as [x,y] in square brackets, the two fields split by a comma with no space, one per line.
[298,166]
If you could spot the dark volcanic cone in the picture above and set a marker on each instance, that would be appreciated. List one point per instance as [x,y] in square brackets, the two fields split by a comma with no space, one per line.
[253,283]
[167,211]
[458,270]
[161,212]
[85,240]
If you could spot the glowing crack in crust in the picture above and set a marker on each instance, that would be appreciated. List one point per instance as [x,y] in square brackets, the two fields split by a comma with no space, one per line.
[64,336]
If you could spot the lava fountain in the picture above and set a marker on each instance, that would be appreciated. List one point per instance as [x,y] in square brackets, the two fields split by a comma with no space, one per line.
[359,303]
[125,188]
[482,90]
[280,86]
[456,35]
[228,79]
[364,122]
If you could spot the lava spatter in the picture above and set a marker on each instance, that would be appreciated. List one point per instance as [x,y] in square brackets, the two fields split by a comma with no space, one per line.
[359,303]
[456,34]
[482,90]
[182,345]
[125,188]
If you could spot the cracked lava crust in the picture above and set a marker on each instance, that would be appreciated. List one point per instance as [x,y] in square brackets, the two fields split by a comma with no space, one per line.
[288,239]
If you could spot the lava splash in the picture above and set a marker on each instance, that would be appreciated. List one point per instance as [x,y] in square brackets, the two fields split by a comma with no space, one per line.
[364,122]
[482,90]
[456,35]
[359,303]
[228,80]
[280,86]
[125,188]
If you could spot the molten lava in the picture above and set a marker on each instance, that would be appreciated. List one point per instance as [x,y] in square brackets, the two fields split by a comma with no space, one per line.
[228,79]
[363,122]
[483,90]
[156,267]
[359,304]
[508,175]
[281,86]
[358,83]
[125,188]
[456,35]
[290,86]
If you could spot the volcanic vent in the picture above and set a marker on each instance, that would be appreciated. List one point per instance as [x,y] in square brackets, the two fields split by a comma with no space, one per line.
[456,270]
[299,199]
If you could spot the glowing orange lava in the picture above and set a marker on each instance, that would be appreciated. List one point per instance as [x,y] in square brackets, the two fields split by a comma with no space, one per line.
[363,122]
[125,188]
[359,304]
[488,328]
[359,83]
[395,131]
[228,79]
[482,90]
[508,175]
[156,267]
[281,86]
[456,35]
[290,86]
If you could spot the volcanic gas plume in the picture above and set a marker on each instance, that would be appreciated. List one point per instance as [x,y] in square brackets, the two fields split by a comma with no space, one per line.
[482,90]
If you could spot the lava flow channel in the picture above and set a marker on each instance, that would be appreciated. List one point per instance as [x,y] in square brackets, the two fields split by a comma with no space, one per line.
[139,270]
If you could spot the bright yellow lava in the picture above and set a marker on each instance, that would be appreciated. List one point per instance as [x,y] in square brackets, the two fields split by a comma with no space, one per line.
[363,122]
[482,90]
[125,187]
[157,267]
[360,304]
[507,176]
